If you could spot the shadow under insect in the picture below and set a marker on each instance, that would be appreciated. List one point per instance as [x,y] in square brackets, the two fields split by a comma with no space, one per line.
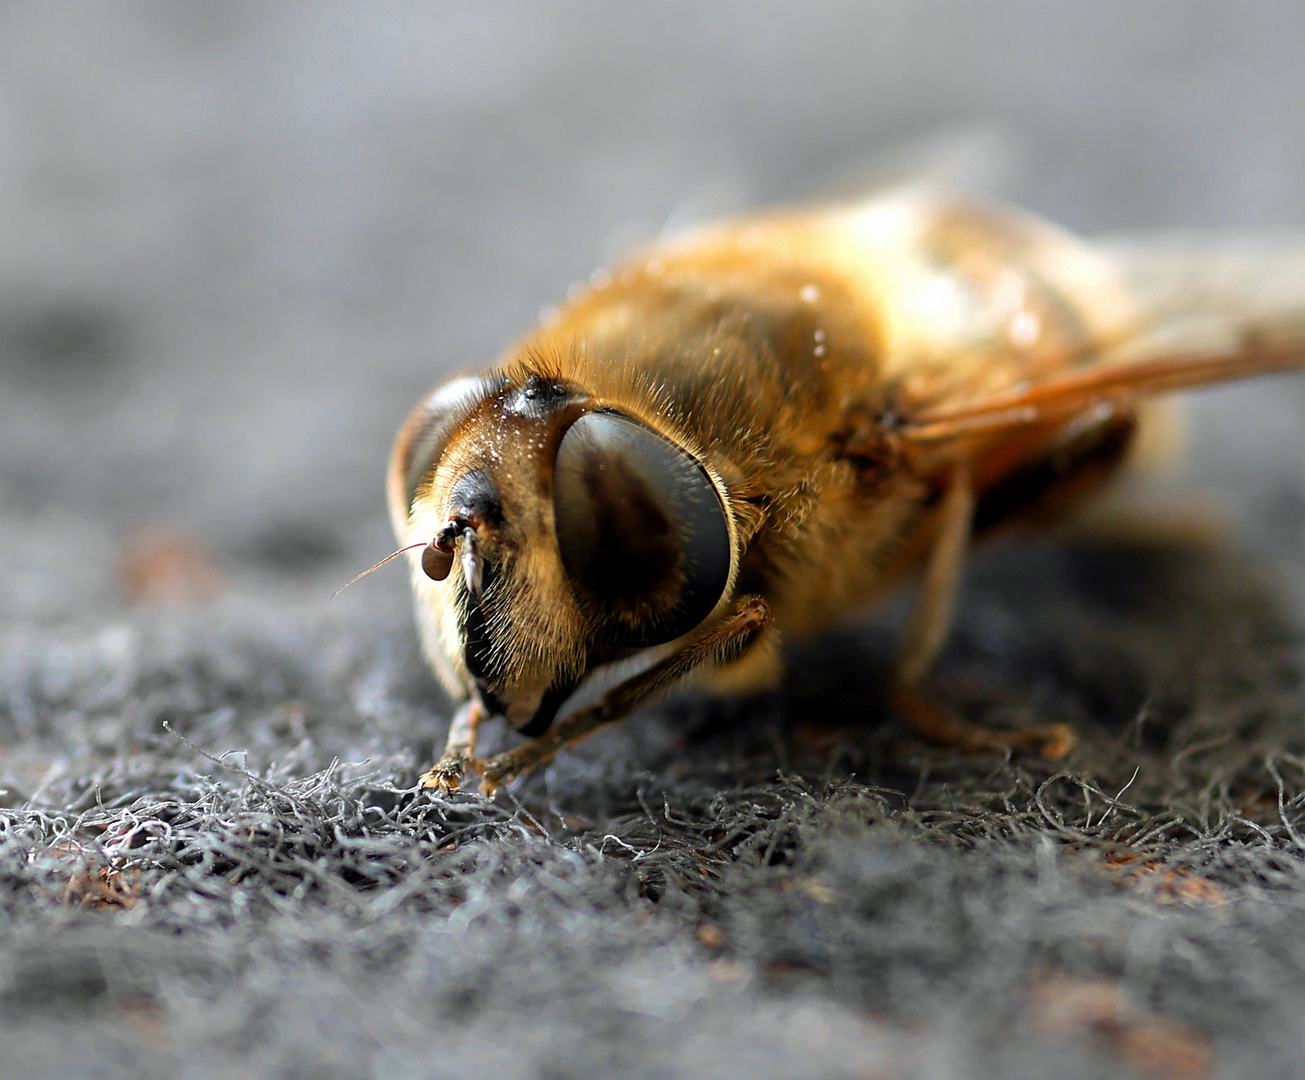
[1178,669]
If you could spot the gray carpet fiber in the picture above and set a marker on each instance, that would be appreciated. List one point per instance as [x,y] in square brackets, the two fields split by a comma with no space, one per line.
[240,240]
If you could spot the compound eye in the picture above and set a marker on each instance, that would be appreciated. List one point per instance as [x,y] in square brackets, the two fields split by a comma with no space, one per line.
[641,529]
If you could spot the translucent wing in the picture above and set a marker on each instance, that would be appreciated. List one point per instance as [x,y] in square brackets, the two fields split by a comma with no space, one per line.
[1207,309]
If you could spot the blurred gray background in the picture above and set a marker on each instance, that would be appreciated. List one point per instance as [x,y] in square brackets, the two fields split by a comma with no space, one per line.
[238,241]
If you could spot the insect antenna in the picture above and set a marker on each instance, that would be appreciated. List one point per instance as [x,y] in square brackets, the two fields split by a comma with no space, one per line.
[410,547]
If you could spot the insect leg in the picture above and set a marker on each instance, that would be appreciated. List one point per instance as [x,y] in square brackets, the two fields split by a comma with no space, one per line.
[931,618]
[723,640]
[927,631]
[446,774]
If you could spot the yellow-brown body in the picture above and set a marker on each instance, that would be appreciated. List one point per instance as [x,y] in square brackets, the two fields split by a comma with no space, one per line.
[835,372]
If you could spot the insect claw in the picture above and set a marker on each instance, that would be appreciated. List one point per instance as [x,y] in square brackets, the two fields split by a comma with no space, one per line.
[445,776]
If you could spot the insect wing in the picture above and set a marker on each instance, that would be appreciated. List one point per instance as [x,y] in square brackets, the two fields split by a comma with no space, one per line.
[1208,312]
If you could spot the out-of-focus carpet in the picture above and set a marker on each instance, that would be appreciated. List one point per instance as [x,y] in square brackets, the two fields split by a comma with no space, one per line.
[240,240]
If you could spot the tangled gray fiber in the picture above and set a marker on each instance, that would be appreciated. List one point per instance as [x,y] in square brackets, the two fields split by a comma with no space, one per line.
[778,887]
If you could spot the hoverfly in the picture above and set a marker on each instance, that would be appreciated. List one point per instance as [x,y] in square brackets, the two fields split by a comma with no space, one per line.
[753,429]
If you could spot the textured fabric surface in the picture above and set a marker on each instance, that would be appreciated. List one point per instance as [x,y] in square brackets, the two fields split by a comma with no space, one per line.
[241,239]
